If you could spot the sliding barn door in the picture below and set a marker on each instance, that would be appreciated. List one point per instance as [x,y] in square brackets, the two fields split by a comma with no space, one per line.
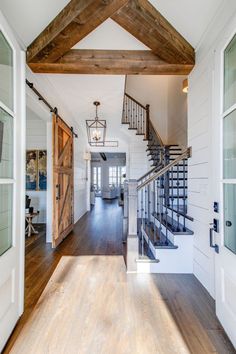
[63,181]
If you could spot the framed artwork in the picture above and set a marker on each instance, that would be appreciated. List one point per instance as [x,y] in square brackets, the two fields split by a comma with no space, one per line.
[36,170]
[42,170]
[31,170]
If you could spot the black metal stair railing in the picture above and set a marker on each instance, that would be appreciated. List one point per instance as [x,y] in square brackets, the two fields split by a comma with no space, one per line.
[162,191]
[162,198]
[137,116]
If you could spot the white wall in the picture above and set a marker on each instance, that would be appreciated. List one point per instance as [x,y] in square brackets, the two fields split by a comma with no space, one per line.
[168,104]
[36,138]
[199,170]
[137,160]
[149,89]
[80,183]
[53,95]
[201,121]
[177,111]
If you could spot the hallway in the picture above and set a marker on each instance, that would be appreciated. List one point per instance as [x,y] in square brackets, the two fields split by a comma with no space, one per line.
[90,305]
[98,232]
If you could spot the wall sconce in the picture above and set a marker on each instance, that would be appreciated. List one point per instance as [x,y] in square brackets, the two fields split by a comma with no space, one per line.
[185,86]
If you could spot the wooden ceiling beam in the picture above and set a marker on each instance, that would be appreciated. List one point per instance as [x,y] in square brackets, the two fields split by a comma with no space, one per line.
[145,23]
[72,24]
[112,62]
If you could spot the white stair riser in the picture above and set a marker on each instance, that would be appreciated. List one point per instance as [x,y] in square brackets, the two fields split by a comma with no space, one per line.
[171,260]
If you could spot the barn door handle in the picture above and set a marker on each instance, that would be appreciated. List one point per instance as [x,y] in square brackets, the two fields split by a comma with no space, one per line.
[58,193]
[212,245]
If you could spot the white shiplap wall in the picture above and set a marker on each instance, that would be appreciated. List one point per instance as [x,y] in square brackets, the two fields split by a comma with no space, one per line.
[36,138]
[201,120]
[199,137]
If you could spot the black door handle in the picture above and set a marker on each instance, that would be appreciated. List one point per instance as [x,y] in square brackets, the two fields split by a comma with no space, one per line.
[215,246]
[228,223]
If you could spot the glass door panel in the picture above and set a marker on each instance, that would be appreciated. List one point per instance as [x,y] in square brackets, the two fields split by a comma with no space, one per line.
[230,75]
[6,202]
[229,145]
[230,216]
[6,73]
[6,145]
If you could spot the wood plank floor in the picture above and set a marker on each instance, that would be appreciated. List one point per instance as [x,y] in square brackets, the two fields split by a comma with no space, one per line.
[90,305]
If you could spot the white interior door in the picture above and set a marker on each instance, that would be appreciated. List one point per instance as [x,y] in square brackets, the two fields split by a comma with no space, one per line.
[12,139]
[224,151]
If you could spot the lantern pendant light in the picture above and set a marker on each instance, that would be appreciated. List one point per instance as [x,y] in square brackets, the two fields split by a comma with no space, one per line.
[96,129]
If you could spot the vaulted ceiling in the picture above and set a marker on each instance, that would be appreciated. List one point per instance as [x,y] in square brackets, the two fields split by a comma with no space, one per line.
[51,51]
[190,18]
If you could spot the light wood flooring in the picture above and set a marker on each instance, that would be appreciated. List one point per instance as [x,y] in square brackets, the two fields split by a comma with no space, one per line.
[90,305]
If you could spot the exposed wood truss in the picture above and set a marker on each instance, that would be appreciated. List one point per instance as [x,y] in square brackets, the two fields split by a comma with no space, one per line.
[51,51]
[74,22]
[111,62]
[145,23]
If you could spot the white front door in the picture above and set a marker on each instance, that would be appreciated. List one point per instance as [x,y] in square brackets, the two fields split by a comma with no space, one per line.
[12,140]
[224,174]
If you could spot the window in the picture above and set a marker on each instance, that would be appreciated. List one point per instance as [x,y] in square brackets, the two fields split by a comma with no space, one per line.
[121,174]
[116,174]
[97,179]
[113,176]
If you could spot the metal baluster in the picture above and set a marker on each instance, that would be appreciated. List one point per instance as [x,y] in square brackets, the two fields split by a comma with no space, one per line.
[145,205]
[149,215]
[129,103]
[178,216]
[153,210]
[158,200]
[142,223]
[166,180]
[172,198]
[144,112]
[139,221]
[123,116]
[184,194]
[160,205]
[131,112]
[146,212]
[134,110]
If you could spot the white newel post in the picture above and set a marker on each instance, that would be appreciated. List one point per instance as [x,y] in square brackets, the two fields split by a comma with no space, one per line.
[125,218]
[126,199]
[132,239]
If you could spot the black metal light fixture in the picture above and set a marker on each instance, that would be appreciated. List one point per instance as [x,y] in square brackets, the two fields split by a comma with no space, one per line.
[96,129]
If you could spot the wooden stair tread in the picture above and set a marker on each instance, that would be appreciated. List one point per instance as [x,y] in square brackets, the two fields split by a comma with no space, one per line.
[158,240]
[175,228]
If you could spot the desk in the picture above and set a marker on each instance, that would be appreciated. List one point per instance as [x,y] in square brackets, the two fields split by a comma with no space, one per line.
[30,228]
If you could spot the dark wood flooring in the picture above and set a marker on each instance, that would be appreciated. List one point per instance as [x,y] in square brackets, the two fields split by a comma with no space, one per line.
[100,233]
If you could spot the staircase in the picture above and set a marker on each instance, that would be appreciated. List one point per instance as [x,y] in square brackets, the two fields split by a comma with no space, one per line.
[163,224]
